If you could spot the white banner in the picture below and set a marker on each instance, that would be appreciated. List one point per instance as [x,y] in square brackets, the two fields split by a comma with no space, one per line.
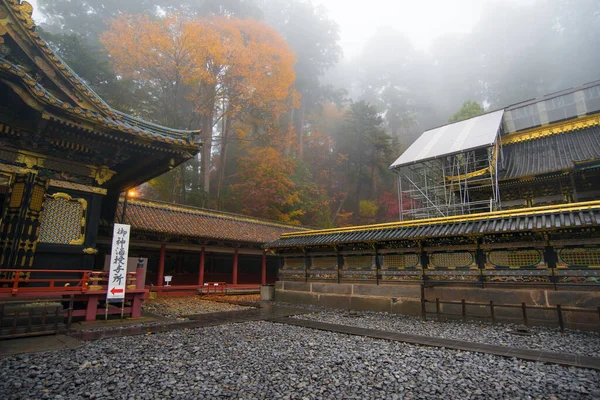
[117,277]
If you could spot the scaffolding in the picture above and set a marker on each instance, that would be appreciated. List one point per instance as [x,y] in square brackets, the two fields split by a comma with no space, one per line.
[453,184]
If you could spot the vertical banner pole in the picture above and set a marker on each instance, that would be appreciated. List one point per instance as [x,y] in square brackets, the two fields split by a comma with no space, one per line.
[117,277]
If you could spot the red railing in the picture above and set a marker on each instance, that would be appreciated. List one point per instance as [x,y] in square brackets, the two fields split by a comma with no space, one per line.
[33,280]
[51,280]
[214,288]
[100,278]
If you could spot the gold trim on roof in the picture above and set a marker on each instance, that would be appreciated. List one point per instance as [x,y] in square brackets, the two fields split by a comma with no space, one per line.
[552,129]
[76,186]
[470,175]
[89,106]
[455,218]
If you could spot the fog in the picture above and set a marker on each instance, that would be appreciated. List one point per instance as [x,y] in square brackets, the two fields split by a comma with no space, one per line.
[412,64]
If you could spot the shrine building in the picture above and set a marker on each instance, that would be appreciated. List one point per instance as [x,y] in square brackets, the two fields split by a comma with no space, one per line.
[503,208]
[66,158]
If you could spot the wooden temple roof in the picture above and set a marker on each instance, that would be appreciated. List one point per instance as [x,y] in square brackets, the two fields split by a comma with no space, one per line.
[550,154]
[110,118]
[46,103]
[184,221]
[545,219]
[80,102]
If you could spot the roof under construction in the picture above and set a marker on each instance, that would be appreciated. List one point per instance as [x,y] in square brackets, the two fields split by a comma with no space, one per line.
[470,134]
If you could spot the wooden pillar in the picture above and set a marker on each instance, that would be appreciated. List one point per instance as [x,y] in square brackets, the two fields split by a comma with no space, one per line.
[201,272]
[235,267]
[263,274]
[161,265]
[573,187]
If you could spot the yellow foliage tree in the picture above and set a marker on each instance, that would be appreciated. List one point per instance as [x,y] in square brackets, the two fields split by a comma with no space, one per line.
[221,69]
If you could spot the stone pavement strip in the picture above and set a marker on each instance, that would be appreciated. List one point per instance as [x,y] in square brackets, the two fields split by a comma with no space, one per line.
[37,344]
[264,313]
[573,360]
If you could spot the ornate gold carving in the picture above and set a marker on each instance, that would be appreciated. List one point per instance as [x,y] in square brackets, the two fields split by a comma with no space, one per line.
[13,169]
[61,195]
[29,161]
[54,221]
[76,186]
[102,174]
[90,250]
[552,129]
[23,12]
[78,242]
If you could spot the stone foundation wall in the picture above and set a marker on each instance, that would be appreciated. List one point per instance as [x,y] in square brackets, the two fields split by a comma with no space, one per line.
[406,299]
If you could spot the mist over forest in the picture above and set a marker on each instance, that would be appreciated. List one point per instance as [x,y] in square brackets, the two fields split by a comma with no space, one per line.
[293,130]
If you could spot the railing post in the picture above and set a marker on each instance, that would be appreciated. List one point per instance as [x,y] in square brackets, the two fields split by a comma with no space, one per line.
[84,282]
[493,312]
[57,312]
[560,318]
[70,312]
[524,307]
[423,310]
[464,310]
[377,267]
[15,288]
[437,308]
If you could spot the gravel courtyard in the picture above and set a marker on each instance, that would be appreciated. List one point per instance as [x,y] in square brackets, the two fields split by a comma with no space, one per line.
[546,339]
[262,360]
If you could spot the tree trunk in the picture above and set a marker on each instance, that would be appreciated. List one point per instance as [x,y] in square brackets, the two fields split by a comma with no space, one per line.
[300,130]
[206,151]
[339,207]
[223,158]
[290,133]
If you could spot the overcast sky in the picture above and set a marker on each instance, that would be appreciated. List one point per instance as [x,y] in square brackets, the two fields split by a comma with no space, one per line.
[421,20]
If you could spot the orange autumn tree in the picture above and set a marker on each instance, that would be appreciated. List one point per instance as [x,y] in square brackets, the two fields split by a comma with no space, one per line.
[266,189]
[205,71]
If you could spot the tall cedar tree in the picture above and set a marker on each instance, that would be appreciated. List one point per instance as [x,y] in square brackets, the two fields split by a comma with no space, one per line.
[205,70]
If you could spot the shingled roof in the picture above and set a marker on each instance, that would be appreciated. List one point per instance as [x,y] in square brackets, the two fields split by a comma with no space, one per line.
[72,96]
[178,220]
[549,218]
[551,153]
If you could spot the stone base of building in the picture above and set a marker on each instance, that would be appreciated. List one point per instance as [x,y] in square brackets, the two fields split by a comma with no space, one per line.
[405,299]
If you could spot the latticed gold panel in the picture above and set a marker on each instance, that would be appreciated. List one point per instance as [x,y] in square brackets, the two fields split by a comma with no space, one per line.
[400,260]
[293,263]
[452,260]
[17,195]
[37,198]
[323,262]
[358,261]
[515,258]
[581,256]
[61,221]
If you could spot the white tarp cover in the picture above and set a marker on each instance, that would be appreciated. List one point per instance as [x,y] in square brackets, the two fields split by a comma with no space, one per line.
[454,138]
